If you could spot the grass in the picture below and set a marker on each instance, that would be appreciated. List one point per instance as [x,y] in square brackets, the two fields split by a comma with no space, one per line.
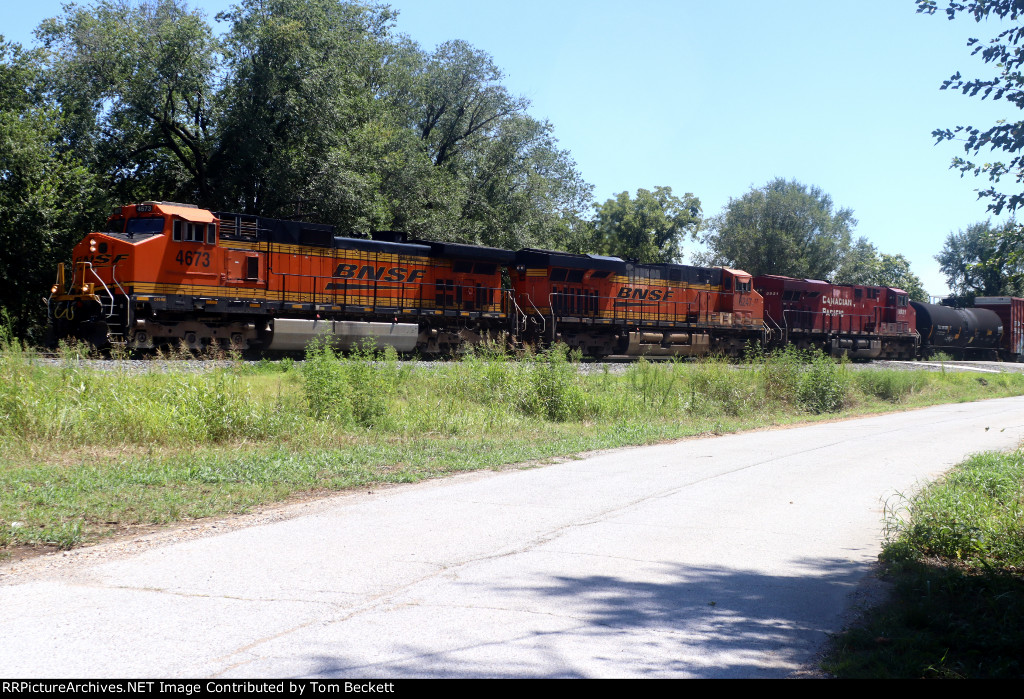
[955,557]
[85,454]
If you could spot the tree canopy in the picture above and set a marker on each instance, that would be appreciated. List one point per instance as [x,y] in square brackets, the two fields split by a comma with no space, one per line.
[649,228]
[316,109]
[791,229]
[136,83]
[894,271]
[783,228]
[46,193]
[860,263]
[984,260]
[863,264]
[1004,53]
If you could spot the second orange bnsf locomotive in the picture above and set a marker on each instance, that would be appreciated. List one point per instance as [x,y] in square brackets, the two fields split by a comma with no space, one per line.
[170,274]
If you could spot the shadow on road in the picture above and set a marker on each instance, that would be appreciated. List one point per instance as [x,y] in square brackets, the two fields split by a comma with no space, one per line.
[702,622]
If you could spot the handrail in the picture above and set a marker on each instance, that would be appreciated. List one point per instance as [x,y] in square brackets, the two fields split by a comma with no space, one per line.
[519,313]
[105,288]
[113,277]
[544,324]
[554,322]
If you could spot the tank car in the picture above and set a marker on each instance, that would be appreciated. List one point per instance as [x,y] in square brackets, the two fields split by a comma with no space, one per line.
[963,333]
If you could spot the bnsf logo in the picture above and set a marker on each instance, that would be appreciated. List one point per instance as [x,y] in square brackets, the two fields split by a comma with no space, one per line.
[627,292]
[101,259]
[380,274]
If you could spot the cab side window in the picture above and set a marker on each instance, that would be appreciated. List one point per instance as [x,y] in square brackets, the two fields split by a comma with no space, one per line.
[188,232]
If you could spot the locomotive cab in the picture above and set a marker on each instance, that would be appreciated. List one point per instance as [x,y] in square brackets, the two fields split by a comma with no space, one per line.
[143,247]
[740,299]
[90,303]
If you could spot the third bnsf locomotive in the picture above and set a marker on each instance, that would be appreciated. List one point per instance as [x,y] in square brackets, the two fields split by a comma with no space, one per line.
[171,274]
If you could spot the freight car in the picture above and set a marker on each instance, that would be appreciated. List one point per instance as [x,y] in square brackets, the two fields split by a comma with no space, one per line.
[862,322]
[962,333]
[1011,314]
[168,274]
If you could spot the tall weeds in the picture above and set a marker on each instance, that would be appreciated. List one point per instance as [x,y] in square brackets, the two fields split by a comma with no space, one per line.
[975,514]
[543,384]
[76,406]
[351,390]
[809,380]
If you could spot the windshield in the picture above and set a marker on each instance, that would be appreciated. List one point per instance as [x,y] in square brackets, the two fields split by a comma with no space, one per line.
[145,225]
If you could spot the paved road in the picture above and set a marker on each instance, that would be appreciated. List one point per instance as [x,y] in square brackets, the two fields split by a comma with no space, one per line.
[724,557]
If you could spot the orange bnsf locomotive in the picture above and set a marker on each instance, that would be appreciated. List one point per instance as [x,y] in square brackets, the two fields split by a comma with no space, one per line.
[173,274]
[605,305]
[170,274]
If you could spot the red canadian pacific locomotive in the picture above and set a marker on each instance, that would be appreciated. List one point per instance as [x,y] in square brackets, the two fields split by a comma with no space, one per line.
[170,274]
[863,322]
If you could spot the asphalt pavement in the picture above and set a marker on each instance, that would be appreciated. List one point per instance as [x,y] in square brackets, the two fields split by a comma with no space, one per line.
[730,556]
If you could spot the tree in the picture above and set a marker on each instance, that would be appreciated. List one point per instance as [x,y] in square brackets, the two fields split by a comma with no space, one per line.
[460,99]
[894,271]
[47,195]
[499,176]
[309,108]
[782,228]
[984,260]
[522,190]
[302,125]
[649,228]
[859,265]
[1006,55]
[863,264]
[137,84]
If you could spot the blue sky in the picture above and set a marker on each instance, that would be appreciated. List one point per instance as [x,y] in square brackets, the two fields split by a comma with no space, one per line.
[714,98]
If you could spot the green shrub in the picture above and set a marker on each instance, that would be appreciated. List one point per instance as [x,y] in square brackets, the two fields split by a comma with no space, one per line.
[553,390]
[490,377]
[545,384]
[714,386]
[823,385]
[373,378]
[976,513]
[779,374]
[355,389]
[325,383]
